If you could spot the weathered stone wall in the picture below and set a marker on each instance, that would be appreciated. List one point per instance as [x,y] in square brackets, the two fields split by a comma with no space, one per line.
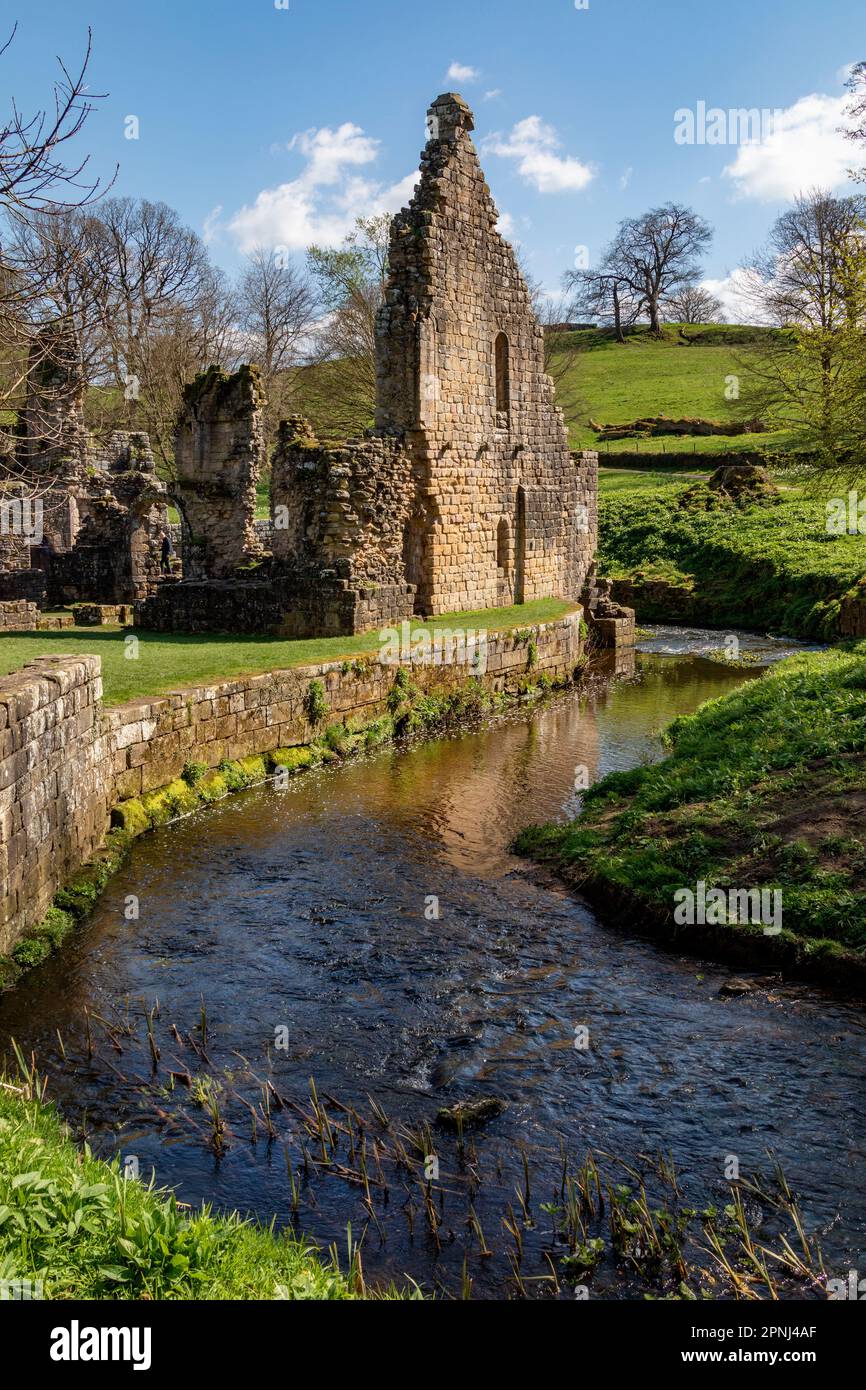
[498,512]
[54,441]
[17,615]
[23,584]
[466,495]
[56,783]
[339,517]
[117,554]
[19,522]
[64,761]
[219,453]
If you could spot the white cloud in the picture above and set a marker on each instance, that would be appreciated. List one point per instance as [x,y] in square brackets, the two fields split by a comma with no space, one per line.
[322,203]
[534,144]
[460,72]
[211,225]
[493,94]
[625,178]
[329,150]
[803,149]
[736,296]
[506,226]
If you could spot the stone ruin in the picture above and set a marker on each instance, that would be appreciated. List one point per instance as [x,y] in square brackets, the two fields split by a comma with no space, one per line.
[219,456]
[465,494]
[101,511]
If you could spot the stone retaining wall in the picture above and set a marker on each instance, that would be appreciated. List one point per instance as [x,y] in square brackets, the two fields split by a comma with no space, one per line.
[56,783]
[65,761]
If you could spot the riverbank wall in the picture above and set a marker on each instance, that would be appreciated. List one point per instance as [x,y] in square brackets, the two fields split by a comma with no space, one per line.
[69,766]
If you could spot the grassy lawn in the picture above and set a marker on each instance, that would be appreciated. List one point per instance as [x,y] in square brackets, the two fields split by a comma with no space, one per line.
[764,787]
[612,481]
[171,661]
[76,1224]
[614,382]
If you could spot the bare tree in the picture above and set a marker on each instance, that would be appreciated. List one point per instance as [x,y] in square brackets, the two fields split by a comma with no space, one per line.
[604,294]
[856,113]
[157,300]
[276,311]
[805,274]
[36,182]
[33,171]
[657,255]
[693,304]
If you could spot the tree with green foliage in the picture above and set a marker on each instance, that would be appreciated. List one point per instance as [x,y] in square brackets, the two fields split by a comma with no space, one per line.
[810,280]
[351,282]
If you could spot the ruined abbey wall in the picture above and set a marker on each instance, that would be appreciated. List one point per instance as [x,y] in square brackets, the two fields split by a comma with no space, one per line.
[219,453]
[465,496]
[502,512]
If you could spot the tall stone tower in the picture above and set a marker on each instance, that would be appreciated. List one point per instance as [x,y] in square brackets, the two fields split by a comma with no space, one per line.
[502,512]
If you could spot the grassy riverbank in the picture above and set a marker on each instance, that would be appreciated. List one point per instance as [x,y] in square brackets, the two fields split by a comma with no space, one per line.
[170,661]
[764,788]
[769,565]
[74,1224]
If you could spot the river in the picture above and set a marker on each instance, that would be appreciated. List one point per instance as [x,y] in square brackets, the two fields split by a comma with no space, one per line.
[368,927]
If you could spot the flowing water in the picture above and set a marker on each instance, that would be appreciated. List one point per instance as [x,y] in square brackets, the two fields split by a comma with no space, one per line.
[302,918]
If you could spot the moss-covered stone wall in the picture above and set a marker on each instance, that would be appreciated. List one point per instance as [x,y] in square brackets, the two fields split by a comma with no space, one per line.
[70,769]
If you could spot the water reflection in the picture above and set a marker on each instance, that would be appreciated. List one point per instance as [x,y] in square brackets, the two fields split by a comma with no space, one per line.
[309,908]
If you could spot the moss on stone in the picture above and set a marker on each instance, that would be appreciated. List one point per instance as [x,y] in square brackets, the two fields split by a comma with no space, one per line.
[295,759]
[212,787]
[131,816]
[412,712]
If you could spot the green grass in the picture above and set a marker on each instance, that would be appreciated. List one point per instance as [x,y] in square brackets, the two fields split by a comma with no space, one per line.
[764,787]
[171,661]
[76,1224]
[611,382]
[614,481]
[772,565]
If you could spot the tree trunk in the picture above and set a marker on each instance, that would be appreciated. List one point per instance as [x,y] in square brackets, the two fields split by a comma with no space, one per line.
[617,317]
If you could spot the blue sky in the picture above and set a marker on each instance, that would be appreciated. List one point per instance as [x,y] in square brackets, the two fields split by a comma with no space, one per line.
[272,125]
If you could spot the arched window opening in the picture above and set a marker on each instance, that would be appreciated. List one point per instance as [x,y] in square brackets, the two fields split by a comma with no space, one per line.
[503,546]
[503,383]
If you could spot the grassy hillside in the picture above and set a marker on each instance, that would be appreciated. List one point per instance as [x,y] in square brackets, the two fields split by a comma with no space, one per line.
[612,382]
[614,481]
[770,565]
[764,788]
